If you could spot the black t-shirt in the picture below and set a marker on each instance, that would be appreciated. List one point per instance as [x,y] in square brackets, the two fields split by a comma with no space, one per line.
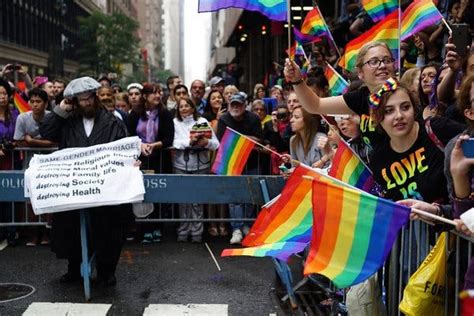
[418,172]
[358,102]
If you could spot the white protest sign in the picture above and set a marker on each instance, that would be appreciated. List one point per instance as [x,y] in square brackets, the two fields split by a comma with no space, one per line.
[76,178]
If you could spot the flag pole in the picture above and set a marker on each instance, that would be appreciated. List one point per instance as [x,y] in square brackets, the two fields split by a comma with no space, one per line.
[329,32]
[399,39]
[447,26]
[288,10]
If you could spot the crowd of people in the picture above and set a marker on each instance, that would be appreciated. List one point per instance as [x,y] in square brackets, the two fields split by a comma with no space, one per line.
[410,132]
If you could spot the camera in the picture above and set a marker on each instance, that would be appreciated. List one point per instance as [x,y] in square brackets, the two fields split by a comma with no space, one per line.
[6,144]
[281,116]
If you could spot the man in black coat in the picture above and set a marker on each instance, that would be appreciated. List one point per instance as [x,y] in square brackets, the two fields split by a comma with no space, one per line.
[81,121]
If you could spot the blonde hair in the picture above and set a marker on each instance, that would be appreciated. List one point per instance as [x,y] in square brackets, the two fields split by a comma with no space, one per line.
[230,88]
[363,51]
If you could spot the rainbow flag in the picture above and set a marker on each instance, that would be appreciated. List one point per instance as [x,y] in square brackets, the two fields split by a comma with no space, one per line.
[385,31]
[234,150]
[21,105]
[314,24]
[353,233]
[419,15]
[347,167]
[379,9]
[305,38]
[289,218]
[295,50]
[337,84]
[279,250]
[272,9]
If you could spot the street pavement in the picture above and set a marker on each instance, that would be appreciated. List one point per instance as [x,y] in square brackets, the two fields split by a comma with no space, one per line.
[161,273]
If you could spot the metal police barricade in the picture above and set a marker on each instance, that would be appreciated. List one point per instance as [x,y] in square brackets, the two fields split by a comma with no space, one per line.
[410,250]
[166,189]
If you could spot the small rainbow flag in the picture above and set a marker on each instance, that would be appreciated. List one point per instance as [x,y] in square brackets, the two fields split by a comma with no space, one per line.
[314,24]
[279,250]
[305,38]
[379,9]
[419,15]
[347,167]
[385,31]
[234,150]
[272,9]
[353,233]
[295,50]
[337,84]
[21,105]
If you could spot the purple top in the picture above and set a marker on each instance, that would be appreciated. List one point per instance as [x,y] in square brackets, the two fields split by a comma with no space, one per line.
[7,131]
[148,131]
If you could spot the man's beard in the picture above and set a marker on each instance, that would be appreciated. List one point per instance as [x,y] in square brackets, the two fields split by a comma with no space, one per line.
[89,112]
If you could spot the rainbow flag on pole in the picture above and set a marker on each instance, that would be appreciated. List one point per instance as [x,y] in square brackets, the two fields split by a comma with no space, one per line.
[347,167]
[280,250]
[419,15]
[379,9]
[272,9]
[314,24]
[232,155]
[21,104]
[305,38]
[337,84]
[353,233]
[384,31]
[295,50]
[289,218]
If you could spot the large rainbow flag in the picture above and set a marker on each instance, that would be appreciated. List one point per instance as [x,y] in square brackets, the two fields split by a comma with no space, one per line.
[284,227]
[379,9]
[347,167]
[234,150]
[280,250]
[385,31]
[21,104]
[314,24]
[289,218]
[353,233]
[337,84]
[272,9]
[419,15]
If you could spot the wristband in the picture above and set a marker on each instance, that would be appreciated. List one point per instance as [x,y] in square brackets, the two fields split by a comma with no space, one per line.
[297,82]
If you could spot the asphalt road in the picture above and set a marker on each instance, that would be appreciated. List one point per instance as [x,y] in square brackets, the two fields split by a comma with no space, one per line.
[163,273]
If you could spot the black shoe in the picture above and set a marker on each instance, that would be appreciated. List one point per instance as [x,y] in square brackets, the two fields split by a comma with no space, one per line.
[70,278]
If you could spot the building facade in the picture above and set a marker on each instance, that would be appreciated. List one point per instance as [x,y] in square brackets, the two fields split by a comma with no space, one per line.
[42,35]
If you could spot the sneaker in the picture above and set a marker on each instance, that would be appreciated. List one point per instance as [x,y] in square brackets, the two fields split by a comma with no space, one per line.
[245,230]
[236,237]
[32,242]
[147,238]
[156,235]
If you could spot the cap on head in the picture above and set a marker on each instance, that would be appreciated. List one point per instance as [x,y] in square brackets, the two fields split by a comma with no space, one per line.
[216,80]
[81,85]
[237,98]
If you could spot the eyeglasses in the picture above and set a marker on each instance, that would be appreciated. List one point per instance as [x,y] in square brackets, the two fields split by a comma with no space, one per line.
[375,62]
